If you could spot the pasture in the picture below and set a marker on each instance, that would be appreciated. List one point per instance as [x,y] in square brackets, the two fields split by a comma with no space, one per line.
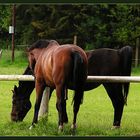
[94,118]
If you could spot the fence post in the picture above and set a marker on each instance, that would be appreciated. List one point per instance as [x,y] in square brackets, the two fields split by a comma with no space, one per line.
[13,34]
[75,40]
[137,52]
[44,107]
[0,53]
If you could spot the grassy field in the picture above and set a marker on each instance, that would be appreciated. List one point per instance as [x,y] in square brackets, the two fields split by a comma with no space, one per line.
[95,117]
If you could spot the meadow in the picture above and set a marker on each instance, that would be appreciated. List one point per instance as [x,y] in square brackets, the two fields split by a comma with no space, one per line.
[95,117]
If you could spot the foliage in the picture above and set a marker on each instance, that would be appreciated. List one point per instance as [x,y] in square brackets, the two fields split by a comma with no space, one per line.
[96,25]
[6,62]
[5,17]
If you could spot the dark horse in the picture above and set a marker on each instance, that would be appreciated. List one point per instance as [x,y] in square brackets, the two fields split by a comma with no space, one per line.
[60,67]
[101,62]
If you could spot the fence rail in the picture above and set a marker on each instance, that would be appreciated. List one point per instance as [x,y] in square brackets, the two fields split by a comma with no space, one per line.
[115,79]
[118,79]
[16,78]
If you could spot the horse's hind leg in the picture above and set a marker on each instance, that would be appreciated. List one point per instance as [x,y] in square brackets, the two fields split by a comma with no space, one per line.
[115,93]
[39,92]
[77,101]
[61,106]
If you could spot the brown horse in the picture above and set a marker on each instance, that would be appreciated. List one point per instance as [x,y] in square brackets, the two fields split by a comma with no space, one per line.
[59,67]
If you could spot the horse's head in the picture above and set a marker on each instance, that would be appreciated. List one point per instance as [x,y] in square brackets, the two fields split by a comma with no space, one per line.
[21,98]
[20,105]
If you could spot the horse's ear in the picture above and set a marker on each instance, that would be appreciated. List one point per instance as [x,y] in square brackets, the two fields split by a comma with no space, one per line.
[13,91]
[15,88]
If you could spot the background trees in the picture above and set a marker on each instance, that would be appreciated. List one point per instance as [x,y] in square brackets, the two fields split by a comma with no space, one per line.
[96,25]
[5,14]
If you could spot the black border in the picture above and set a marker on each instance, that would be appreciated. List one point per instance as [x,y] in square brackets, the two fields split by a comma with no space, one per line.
[69,2]
[69,138]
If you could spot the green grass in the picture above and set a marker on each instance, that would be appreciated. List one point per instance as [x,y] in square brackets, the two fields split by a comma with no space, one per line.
[19,62]
[95,117]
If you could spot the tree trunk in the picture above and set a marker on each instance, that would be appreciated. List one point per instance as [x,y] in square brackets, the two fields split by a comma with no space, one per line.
[75,40]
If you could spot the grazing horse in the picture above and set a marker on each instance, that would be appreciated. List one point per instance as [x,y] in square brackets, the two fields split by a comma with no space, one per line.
[101,62]
[59,67]
[20,101]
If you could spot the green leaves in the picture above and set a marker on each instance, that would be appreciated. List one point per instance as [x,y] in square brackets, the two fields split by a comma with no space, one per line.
[5,16]
[97,25]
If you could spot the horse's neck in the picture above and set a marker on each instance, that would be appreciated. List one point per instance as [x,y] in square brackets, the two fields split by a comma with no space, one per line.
[37,53]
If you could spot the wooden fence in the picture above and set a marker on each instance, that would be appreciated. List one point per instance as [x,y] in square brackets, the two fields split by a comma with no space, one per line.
[118,79]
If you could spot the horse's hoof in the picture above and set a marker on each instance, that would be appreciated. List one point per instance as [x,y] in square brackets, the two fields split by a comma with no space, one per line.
[60,129]
[115,127]
[73,126]
[73,129]
[31,127]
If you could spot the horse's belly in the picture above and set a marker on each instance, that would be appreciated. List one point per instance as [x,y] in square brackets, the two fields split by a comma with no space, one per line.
[88,86]
[91,85]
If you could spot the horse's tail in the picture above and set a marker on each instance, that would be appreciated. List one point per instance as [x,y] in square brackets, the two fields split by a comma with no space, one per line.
[79,76]
[126,63]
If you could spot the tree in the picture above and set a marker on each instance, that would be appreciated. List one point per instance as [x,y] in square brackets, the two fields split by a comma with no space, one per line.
[5,17]
[5,21]
[96,26]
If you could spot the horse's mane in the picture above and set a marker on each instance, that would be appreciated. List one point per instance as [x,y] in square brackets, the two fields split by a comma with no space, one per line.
[42,43]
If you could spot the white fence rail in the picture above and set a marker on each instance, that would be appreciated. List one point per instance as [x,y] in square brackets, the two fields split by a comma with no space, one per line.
[16,78]
[118,79]
[115,79]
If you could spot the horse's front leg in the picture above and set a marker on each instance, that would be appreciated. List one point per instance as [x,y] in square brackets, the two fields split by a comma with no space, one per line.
[39,92]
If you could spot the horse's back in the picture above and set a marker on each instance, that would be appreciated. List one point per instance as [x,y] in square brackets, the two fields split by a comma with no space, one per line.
[74,48]
[103,62]
[63,55]
[64,59]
